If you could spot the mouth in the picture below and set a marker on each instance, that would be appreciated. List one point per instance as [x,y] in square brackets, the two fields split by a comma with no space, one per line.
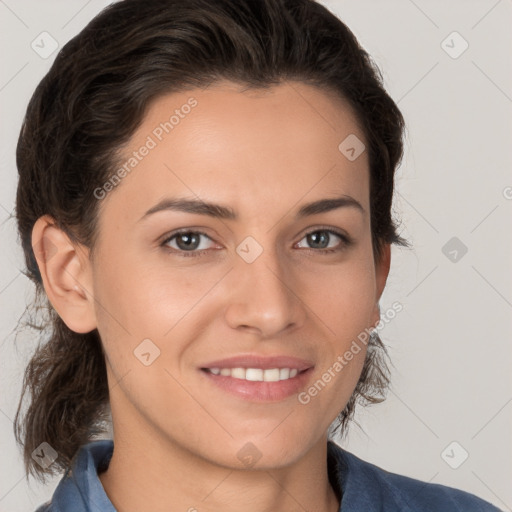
[256,374]
[259,379]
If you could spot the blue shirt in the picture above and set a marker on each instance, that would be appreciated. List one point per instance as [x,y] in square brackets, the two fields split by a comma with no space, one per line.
[364,486]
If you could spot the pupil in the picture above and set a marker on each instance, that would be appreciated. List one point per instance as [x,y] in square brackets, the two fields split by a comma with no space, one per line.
[321,239]
[191,239]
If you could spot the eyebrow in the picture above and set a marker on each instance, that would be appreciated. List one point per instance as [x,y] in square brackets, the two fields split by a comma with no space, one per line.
[218,211]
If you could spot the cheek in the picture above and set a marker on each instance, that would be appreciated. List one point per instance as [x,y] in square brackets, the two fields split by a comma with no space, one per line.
[345,296]
[346,308]
[144,299]
[164,301]
[137,300]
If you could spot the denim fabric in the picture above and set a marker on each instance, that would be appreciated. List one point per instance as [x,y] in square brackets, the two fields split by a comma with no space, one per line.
[364,487]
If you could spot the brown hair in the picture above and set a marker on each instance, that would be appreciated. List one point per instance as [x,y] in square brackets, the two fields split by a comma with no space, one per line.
[93,99]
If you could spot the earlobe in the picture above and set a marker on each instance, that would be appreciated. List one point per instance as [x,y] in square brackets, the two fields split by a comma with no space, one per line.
[382,267]
[66,273]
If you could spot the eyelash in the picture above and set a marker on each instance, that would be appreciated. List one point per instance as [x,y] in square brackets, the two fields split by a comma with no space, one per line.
[345,242]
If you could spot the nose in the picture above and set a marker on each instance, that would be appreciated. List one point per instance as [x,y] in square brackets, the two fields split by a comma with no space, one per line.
[264,298]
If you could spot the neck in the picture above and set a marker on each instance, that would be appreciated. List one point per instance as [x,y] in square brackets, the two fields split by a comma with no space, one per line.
[165,474]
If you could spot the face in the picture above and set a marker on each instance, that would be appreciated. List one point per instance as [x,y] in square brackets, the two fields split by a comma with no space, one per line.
[196,304]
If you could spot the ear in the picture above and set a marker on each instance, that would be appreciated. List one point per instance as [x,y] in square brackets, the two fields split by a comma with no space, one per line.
[66,273]
[382,266]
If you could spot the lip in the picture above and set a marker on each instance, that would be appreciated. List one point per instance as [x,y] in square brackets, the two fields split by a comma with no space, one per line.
[259,361]
[260,391]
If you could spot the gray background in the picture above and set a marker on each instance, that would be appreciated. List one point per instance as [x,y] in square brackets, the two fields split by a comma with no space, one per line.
[451,343]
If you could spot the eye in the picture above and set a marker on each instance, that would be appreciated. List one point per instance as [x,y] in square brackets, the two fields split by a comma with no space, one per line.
[187,241]
[322,239]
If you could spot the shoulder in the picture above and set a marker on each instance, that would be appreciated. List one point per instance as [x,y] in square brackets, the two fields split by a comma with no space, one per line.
[368,487]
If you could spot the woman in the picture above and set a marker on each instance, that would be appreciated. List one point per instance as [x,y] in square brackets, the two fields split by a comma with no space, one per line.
[205,200]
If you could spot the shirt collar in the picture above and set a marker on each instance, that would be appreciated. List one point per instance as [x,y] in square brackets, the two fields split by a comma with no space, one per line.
[80,485]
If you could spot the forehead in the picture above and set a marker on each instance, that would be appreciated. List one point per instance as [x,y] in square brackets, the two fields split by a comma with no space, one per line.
[243,147]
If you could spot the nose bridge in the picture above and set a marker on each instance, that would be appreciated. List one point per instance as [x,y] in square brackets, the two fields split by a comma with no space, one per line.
[263,297]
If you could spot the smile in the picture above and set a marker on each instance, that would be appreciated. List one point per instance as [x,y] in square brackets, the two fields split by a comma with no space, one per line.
[256,374]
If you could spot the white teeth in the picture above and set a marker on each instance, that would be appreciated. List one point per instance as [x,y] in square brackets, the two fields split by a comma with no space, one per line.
[284,373]
[256,374]
[238,373]
[271,375]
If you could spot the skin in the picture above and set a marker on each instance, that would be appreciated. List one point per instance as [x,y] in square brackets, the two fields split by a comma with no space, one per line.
[265,154]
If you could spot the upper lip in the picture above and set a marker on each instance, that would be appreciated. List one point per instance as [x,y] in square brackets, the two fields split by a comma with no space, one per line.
[260,361]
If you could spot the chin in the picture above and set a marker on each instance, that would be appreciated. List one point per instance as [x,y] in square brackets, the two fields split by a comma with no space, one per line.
[259,452]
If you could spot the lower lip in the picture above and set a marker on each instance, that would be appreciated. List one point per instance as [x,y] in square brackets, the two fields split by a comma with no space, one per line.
[260,391]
